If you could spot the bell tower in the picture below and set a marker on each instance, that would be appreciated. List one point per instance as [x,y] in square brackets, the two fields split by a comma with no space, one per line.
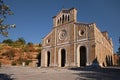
[65,16]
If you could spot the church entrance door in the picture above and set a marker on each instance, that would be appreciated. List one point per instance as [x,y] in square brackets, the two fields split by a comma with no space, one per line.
[63,57]
[48,59]
[83,56]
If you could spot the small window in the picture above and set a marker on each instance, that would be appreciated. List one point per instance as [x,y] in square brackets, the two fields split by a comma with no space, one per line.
[81,32]
[48,41]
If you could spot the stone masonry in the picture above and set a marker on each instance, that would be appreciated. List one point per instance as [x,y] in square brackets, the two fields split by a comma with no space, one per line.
[75,44]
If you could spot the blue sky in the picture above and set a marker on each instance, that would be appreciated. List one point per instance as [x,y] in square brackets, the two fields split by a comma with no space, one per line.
[33,18]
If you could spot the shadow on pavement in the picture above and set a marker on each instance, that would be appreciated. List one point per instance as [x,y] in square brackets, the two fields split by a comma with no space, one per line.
[88,73]
[5,77]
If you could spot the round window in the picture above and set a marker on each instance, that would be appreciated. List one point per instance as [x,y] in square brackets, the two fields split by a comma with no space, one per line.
[48,41]
[62,34]
[81,32]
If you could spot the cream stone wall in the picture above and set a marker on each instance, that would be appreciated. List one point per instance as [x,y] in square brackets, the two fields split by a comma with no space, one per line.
[78,41]
[103,49]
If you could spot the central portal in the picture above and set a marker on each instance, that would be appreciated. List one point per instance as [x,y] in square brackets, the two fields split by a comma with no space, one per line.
[63,57]
[82,56]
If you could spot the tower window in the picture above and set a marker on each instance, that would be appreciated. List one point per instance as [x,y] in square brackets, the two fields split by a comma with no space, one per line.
[68,18]
[48,41]
[62,18]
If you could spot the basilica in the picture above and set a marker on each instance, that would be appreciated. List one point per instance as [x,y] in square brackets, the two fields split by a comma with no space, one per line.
[74,44]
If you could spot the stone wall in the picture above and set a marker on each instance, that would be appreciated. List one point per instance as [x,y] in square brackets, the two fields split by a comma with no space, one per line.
[68,37]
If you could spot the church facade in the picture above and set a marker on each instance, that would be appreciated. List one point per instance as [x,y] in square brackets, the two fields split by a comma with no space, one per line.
[74,44]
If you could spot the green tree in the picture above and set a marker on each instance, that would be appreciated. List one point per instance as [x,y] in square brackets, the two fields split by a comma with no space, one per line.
[30,44]
[29,47]
[21,41]
[4,11]
[118,52]
[8,41]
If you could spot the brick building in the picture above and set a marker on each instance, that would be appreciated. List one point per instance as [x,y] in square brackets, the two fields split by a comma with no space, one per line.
[71,43]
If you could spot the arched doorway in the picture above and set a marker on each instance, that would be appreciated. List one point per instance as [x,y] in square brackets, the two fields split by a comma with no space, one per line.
[63,58]
[82,56]
[48,59]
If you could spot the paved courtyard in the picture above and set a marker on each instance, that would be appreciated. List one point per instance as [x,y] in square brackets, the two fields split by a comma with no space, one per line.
[28,73]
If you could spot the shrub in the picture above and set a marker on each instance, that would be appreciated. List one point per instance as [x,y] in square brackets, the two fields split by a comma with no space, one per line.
[13,63]
[10,54]
[27,62]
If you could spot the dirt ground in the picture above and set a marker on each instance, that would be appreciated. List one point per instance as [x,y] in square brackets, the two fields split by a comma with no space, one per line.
[85,73]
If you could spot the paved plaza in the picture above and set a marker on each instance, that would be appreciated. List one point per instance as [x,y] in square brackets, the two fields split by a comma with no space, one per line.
[28,73]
